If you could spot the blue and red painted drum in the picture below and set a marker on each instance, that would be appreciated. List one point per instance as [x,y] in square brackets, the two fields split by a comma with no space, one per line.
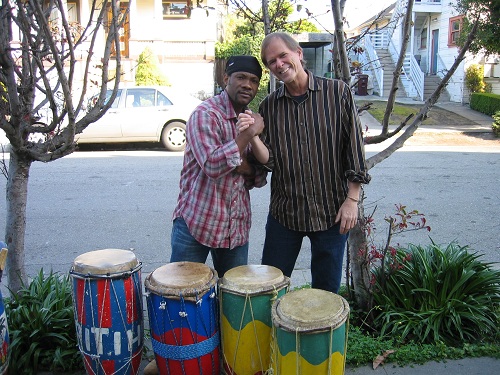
[182,308]
[107,300]
[4,338]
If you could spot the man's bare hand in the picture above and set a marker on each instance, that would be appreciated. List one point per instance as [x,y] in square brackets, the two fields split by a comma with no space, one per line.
[245,168]
[347,215]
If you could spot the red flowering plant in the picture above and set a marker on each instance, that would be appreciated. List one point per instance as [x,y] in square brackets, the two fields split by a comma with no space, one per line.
[387,259]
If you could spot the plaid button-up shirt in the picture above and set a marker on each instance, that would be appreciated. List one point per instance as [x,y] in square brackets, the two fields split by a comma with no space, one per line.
[214,199]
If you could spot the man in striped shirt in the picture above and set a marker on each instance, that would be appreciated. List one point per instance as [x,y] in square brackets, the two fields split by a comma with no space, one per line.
[318,164]
[213,211]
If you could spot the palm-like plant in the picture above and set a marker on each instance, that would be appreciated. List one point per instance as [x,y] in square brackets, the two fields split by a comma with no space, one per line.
[42,327]
[432,294]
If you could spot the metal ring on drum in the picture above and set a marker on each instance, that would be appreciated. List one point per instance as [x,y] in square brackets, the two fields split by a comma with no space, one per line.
[107,300]
[183,318]
[246,294]
[309,333]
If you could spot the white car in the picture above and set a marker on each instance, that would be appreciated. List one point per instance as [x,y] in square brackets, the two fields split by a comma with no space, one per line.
[144,114]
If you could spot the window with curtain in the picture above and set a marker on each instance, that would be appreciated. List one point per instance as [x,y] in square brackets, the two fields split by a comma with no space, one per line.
[454,30]
[176,9]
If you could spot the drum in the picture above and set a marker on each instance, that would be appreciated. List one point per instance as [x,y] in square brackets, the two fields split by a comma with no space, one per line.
[246,294]
[310,333]
[107,300]
[4,338]
[182,310]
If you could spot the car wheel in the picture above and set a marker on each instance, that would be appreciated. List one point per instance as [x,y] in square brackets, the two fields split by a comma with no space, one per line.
[173,136]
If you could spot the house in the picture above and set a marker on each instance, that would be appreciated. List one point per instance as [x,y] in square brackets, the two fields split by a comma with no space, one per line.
[432,50]
[182,33]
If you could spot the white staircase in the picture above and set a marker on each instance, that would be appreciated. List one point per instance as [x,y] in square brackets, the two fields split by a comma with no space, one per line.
[388,66]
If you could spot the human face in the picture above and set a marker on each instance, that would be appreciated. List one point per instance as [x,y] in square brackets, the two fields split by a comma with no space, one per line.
[241,88]
[283,62]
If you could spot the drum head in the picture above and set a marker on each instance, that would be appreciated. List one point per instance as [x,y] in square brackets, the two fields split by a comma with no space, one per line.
[253,279]
[105,262]
[181,278]
[310,310]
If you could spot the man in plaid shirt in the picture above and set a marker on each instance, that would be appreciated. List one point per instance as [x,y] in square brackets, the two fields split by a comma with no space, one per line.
[213,211]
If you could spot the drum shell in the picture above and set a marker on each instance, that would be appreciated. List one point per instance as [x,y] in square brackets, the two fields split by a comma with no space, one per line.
[308,347]
[4,338]
[108,310]
[184,317]
[246,294]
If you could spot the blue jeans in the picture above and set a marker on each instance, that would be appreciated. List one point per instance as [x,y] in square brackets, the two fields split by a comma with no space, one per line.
[282,247]
[186,248]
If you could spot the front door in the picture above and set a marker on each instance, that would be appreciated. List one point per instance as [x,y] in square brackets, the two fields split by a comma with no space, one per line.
[124,30]
[434,50]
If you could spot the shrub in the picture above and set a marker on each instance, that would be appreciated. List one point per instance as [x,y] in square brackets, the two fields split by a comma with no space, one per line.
[474,80]
[496,124]
[42,327]
[432,294]
[485,103]
[148,70]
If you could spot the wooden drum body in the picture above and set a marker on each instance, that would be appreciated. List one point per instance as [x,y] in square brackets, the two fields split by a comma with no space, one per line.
[182,309]
[246,294]
[310,333]
[107,300]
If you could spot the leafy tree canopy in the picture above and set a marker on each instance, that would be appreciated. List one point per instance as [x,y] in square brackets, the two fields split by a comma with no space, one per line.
[245,28]
[488,34]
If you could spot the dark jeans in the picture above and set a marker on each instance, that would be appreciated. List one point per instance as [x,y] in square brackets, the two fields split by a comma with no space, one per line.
[282,247]
[186,248]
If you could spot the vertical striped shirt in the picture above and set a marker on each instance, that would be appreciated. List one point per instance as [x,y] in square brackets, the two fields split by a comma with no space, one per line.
[316,146]
[214,200]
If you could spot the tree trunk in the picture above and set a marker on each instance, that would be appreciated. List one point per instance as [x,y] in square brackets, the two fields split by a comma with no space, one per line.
[17,197]
[360,273]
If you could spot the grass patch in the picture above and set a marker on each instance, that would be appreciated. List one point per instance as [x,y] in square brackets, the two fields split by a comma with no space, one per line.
[362,349]
[436,116]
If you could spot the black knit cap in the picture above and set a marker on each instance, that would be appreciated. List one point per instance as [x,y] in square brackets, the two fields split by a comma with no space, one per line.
[243,63]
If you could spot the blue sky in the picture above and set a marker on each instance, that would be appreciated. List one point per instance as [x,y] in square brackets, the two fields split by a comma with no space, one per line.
[356,11]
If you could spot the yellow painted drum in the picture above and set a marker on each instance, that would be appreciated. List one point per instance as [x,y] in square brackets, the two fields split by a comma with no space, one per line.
[310,333]
[246,294]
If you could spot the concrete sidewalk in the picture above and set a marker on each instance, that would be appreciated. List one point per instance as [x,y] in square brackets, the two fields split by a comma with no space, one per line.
[467,366]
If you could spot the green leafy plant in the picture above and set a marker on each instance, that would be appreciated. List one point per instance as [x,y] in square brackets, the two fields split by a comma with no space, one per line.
[496,124]
[148,70]
[432,294]
[363,348]
[42,327]
[474,80]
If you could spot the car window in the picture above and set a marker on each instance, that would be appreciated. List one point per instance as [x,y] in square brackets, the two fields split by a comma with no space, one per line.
[93,100]
[163,100]
[140,98]
[117,99]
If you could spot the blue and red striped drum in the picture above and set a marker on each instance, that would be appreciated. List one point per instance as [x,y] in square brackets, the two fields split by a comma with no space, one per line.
[107,300]
[4,338]
[183,318]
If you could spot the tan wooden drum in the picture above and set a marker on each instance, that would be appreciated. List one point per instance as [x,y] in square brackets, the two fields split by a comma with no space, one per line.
[310,333]
[246,294]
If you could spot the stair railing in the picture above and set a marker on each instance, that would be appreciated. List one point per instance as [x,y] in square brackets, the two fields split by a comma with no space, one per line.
[374,61]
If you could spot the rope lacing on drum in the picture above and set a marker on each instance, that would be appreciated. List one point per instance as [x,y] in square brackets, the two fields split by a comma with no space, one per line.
[96,358]
[297,351]
[330,354]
